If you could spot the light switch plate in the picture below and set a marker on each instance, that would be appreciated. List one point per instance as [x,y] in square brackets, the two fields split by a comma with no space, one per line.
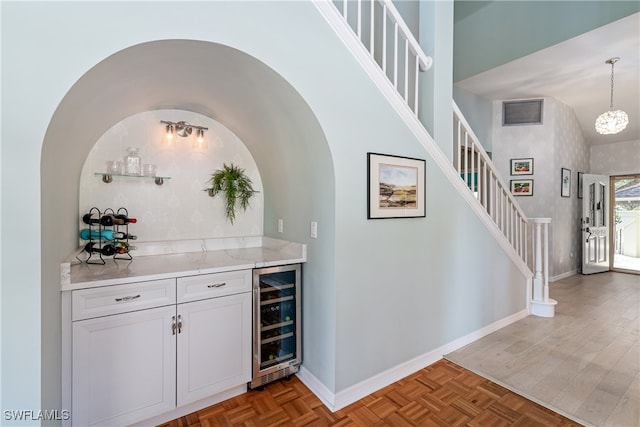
[314,229]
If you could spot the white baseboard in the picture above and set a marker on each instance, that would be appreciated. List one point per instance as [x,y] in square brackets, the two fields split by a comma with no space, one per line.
[337,401]
[563,276]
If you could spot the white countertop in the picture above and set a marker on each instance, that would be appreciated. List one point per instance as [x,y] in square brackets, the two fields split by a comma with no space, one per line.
[176,259]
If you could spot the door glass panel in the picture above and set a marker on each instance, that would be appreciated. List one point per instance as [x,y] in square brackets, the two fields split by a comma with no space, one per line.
[626,223]
[592,204]
[601,206]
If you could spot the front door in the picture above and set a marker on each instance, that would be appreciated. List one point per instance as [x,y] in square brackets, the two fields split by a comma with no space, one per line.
[595,223]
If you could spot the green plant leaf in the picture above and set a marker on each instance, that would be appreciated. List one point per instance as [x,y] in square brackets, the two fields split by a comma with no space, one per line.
[236,185]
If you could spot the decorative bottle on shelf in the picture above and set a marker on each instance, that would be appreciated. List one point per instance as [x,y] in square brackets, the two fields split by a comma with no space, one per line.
[132,162]
[87,234]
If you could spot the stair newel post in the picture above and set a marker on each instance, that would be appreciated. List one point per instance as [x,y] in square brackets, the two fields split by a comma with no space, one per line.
[541,305]
[537,278]
[545,260]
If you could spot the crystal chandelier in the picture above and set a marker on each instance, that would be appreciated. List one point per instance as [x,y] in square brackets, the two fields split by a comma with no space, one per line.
[612,121]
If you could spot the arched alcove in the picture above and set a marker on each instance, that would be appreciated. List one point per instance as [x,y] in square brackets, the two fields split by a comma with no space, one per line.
[217,81]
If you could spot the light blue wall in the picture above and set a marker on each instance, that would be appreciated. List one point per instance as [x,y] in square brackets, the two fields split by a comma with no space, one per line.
[377,292]
[436,40]
[478,112]
[492,33]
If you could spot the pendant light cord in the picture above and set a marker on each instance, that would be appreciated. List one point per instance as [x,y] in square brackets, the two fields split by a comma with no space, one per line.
[612,63]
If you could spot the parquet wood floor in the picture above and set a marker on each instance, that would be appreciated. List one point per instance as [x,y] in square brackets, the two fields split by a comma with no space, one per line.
[442,394]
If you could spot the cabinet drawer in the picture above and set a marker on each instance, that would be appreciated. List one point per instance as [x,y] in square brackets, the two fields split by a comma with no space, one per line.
[213,285]
[95,302]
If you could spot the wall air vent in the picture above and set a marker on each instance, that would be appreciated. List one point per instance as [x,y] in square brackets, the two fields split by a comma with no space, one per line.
[525,112]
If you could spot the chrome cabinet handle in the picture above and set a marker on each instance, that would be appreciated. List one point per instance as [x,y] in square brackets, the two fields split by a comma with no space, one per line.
[217,285]
[173,325]
[179,324]
[129,298]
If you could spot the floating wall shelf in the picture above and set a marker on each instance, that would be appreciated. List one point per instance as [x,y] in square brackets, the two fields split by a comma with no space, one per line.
[108,177]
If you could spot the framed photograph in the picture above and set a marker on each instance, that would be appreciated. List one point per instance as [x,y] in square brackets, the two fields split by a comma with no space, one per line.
[565,189]
[396,186]
[580,185]
[522,166]
[522,187]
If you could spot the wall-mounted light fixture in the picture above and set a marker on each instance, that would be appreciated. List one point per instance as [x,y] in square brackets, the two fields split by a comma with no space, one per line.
[184,129]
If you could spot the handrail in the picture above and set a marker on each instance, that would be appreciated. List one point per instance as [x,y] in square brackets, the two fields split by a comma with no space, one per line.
[524,234]
[485,157]
[482,178]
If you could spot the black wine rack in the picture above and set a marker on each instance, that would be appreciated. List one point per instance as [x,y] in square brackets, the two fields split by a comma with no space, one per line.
[120,245]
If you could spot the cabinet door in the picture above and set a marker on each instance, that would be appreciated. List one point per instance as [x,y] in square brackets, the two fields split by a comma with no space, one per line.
[214,346]
[123,367]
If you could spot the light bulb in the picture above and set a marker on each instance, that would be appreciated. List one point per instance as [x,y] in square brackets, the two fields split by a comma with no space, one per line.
[169,132]
[200,137]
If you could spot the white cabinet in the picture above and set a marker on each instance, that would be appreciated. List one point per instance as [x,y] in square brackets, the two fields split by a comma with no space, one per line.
[214,342]
[138,350]
[123,367]
[214,346]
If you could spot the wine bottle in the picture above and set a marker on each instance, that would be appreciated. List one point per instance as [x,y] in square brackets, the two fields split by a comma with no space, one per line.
[107,250]
[89,219]
[123,247]
[87,234]
[106,220]
[125,218]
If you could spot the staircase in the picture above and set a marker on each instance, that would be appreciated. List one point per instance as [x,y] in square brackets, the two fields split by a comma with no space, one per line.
[380,40]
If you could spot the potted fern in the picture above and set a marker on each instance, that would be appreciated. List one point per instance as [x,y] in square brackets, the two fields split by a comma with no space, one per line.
[235,184]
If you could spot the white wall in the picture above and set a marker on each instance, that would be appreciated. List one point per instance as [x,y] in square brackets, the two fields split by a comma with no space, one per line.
[555,144]
[178,209]
[621,158]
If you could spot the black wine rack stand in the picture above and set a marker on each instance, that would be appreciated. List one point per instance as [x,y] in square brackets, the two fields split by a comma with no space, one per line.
[121,246]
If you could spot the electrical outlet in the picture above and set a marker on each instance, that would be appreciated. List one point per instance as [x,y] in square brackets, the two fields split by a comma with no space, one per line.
[280,225]
[314,230]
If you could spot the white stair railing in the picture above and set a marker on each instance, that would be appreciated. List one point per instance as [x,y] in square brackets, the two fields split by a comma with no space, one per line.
[480,174]
[525,235]
[368,22]
[380,28]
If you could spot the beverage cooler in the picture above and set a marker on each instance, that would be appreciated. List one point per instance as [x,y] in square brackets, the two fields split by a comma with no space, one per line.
[277,347]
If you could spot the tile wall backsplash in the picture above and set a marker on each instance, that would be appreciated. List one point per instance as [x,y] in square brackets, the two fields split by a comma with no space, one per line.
[179,209]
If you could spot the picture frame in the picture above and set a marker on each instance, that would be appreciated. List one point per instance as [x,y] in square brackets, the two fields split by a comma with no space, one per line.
[580,185]
[396,186]
[565,183]
[523,166]
[522,187]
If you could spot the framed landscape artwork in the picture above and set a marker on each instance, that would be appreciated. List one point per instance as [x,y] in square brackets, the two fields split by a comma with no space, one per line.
[396,186]
[522,187]
[565,183]
[522,166]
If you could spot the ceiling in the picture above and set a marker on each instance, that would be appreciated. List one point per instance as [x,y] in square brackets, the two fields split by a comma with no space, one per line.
[575,73]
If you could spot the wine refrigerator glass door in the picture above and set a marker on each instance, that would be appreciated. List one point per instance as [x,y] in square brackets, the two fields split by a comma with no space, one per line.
[277,344]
